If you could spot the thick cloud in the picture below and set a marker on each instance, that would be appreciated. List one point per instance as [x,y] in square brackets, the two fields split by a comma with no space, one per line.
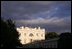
[52,24]
[51,15]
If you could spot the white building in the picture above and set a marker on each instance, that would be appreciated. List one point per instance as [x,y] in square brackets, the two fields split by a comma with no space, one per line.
[28,35]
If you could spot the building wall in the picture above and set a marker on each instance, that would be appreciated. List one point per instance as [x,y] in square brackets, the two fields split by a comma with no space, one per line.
[28,35]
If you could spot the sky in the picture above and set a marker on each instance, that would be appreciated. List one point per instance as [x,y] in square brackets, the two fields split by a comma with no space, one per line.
[54,16]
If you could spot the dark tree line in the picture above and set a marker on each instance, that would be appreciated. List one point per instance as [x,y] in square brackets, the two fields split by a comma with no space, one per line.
[65,40]
[9,35]
[51,35]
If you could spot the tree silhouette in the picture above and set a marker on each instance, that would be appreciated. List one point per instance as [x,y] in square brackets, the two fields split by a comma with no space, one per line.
[51,35]
[65,40]
[9,35]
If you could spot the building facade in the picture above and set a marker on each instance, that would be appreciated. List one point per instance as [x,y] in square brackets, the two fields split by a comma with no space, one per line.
[28,35]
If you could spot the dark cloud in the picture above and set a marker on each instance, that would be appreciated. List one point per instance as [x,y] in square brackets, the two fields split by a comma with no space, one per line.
[51,15]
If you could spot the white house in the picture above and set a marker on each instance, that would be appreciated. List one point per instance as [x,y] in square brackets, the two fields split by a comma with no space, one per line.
[28,35]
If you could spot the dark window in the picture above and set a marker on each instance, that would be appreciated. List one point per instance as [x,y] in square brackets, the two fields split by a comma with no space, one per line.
[42,35]
[24,40]
[31,40]
[31,34]
[37,34]
[24,34]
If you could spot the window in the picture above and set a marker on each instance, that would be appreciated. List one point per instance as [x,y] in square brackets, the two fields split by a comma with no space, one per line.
[24,40]
[31,34]
[30,40]
[24,34]
[41,35]
[37,34]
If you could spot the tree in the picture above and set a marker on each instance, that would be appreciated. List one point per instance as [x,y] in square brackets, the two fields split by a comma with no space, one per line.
[51,35]
[65,40]
[9,35]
